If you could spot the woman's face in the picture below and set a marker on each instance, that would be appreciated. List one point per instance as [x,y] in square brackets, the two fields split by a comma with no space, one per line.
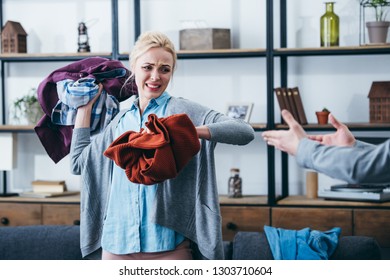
[153,71]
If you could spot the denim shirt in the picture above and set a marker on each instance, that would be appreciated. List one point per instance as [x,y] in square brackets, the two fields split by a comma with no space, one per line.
[128,228]
[304,244]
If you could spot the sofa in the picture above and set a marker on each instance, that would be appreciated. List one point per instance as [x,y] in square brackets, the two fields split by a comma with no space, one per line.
[40,242]
[61,242]
[254,246]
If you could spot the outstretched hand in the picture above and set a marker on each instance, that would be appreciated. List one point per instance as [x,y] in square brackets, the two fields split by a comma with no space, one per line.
[286,140]
[342,137]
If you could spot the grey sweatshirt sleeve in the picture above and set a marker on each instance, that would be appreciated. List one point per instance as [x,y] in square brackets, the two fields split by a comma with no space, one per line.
[81,139]
[229,131]
[222,128]
[362,163]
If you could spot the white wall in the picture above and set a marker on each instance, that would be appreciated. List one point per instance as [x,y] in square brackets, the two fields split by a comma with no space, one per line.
[339,83]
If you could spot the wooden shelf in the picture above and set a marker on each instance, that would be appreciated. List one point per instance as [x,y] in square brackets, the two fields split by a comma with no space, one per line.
[300,200]
[247,200]
[226,53]
[30,128]
[259,126]
[17,128]
[351,126]
[26,57]
[347,50]
[216,53]
[71,199]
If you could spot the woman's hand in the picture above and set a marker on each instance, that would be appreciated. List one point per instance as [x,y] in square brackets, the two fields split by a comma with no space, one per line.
[203,132]
[83,117]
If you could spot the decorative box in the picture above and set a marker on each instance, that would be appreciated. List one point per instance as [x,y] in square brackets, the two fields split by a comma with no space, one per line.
[205,39]
[380,102]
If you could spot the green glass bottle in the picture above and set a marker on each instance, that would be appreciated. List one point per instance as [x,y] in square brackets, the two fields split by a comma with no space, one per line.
[329,25]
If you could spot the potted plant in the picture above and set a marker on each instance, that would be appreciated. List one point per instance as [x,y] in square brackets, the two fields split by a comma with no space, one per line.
[377,29]
[26,109]
[322,116]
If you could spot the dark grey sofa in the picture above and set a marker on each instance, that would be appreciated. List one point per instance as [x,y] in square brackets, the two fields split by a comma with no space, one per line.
[49,242]
[41,242]
[254,246]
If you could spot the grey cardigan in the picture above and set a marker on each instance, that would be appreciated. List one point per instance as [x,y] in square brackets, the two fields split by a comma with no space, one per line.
[187,204]
[363,163]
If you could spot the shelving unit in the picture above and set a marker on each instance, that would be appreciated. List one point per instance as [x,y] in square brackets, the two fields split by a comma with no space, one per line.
[261,207]
[295,212]
[284,53]
[69,57]
[44,57]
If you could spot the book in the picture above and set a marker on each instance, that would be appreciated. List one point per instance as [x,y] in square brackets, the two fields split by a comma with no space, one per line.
[356,193]
[48,186]
[281,100]
[285,99]
[299,105]
[290,103]
[358,188]
[47,194]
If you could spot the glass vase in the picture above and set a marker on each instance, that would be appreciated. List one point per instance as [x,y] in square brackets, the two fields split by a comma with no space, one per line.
[329,27]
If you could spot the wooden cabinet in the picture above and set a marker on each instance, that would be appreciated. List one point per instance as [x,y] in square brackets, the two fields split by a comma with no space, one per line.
[243,218]
[15,214]
[354,218]
[373,222]
[59,214]
[18,211]
[314,218]
[249,213]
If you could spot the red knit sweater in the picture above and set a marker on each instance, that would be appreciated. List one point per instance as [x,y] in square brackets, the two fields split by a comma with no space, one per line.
[150,158]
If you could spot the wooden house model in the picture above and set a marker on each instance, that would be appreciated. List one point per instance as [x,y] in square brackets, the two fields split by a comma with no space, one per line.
[379,98]
[13,38]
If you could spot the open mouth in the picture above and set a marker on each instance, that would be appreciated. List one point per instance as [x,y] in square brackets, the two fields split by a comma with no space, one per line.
[153,86]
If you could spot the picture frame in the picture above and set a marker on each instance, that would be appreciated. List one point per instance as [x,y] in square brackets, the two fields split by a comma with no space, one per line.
[239,110]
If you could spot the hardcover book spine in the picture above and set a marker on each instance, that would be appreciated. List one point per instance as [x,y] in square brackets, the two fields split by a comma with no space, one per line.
[299,105]
[290,100]
[281,100]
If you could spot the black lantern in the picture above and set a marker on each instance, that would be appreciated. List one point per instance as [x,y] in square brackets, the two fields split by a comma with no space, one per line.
[83,38]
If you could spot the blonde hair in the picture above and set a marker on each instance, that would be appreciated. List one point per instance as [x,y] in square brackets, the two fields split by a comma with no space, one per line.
[152,39]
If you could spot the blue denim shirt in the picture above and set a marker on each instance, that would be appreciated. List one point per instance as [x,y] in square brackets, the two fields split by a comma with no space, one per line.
[304,244]
[127,227]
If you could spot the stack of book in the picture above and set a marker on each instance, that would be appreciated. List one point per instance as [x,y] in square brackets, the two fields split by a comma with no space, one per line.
[47,188]
[355,192]
[290,99]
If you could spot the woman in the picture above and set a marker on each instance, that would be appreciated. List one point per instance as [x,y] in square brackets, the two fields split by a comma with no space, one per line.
[178,218]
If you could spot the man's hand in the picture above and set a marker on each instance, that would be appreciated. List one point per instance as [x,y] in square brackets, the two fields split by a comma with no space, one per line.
[342,137]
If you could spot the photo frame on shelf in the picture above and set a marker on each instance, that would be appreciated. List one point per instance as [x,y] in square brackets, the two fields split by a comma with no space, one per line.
[239,110]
